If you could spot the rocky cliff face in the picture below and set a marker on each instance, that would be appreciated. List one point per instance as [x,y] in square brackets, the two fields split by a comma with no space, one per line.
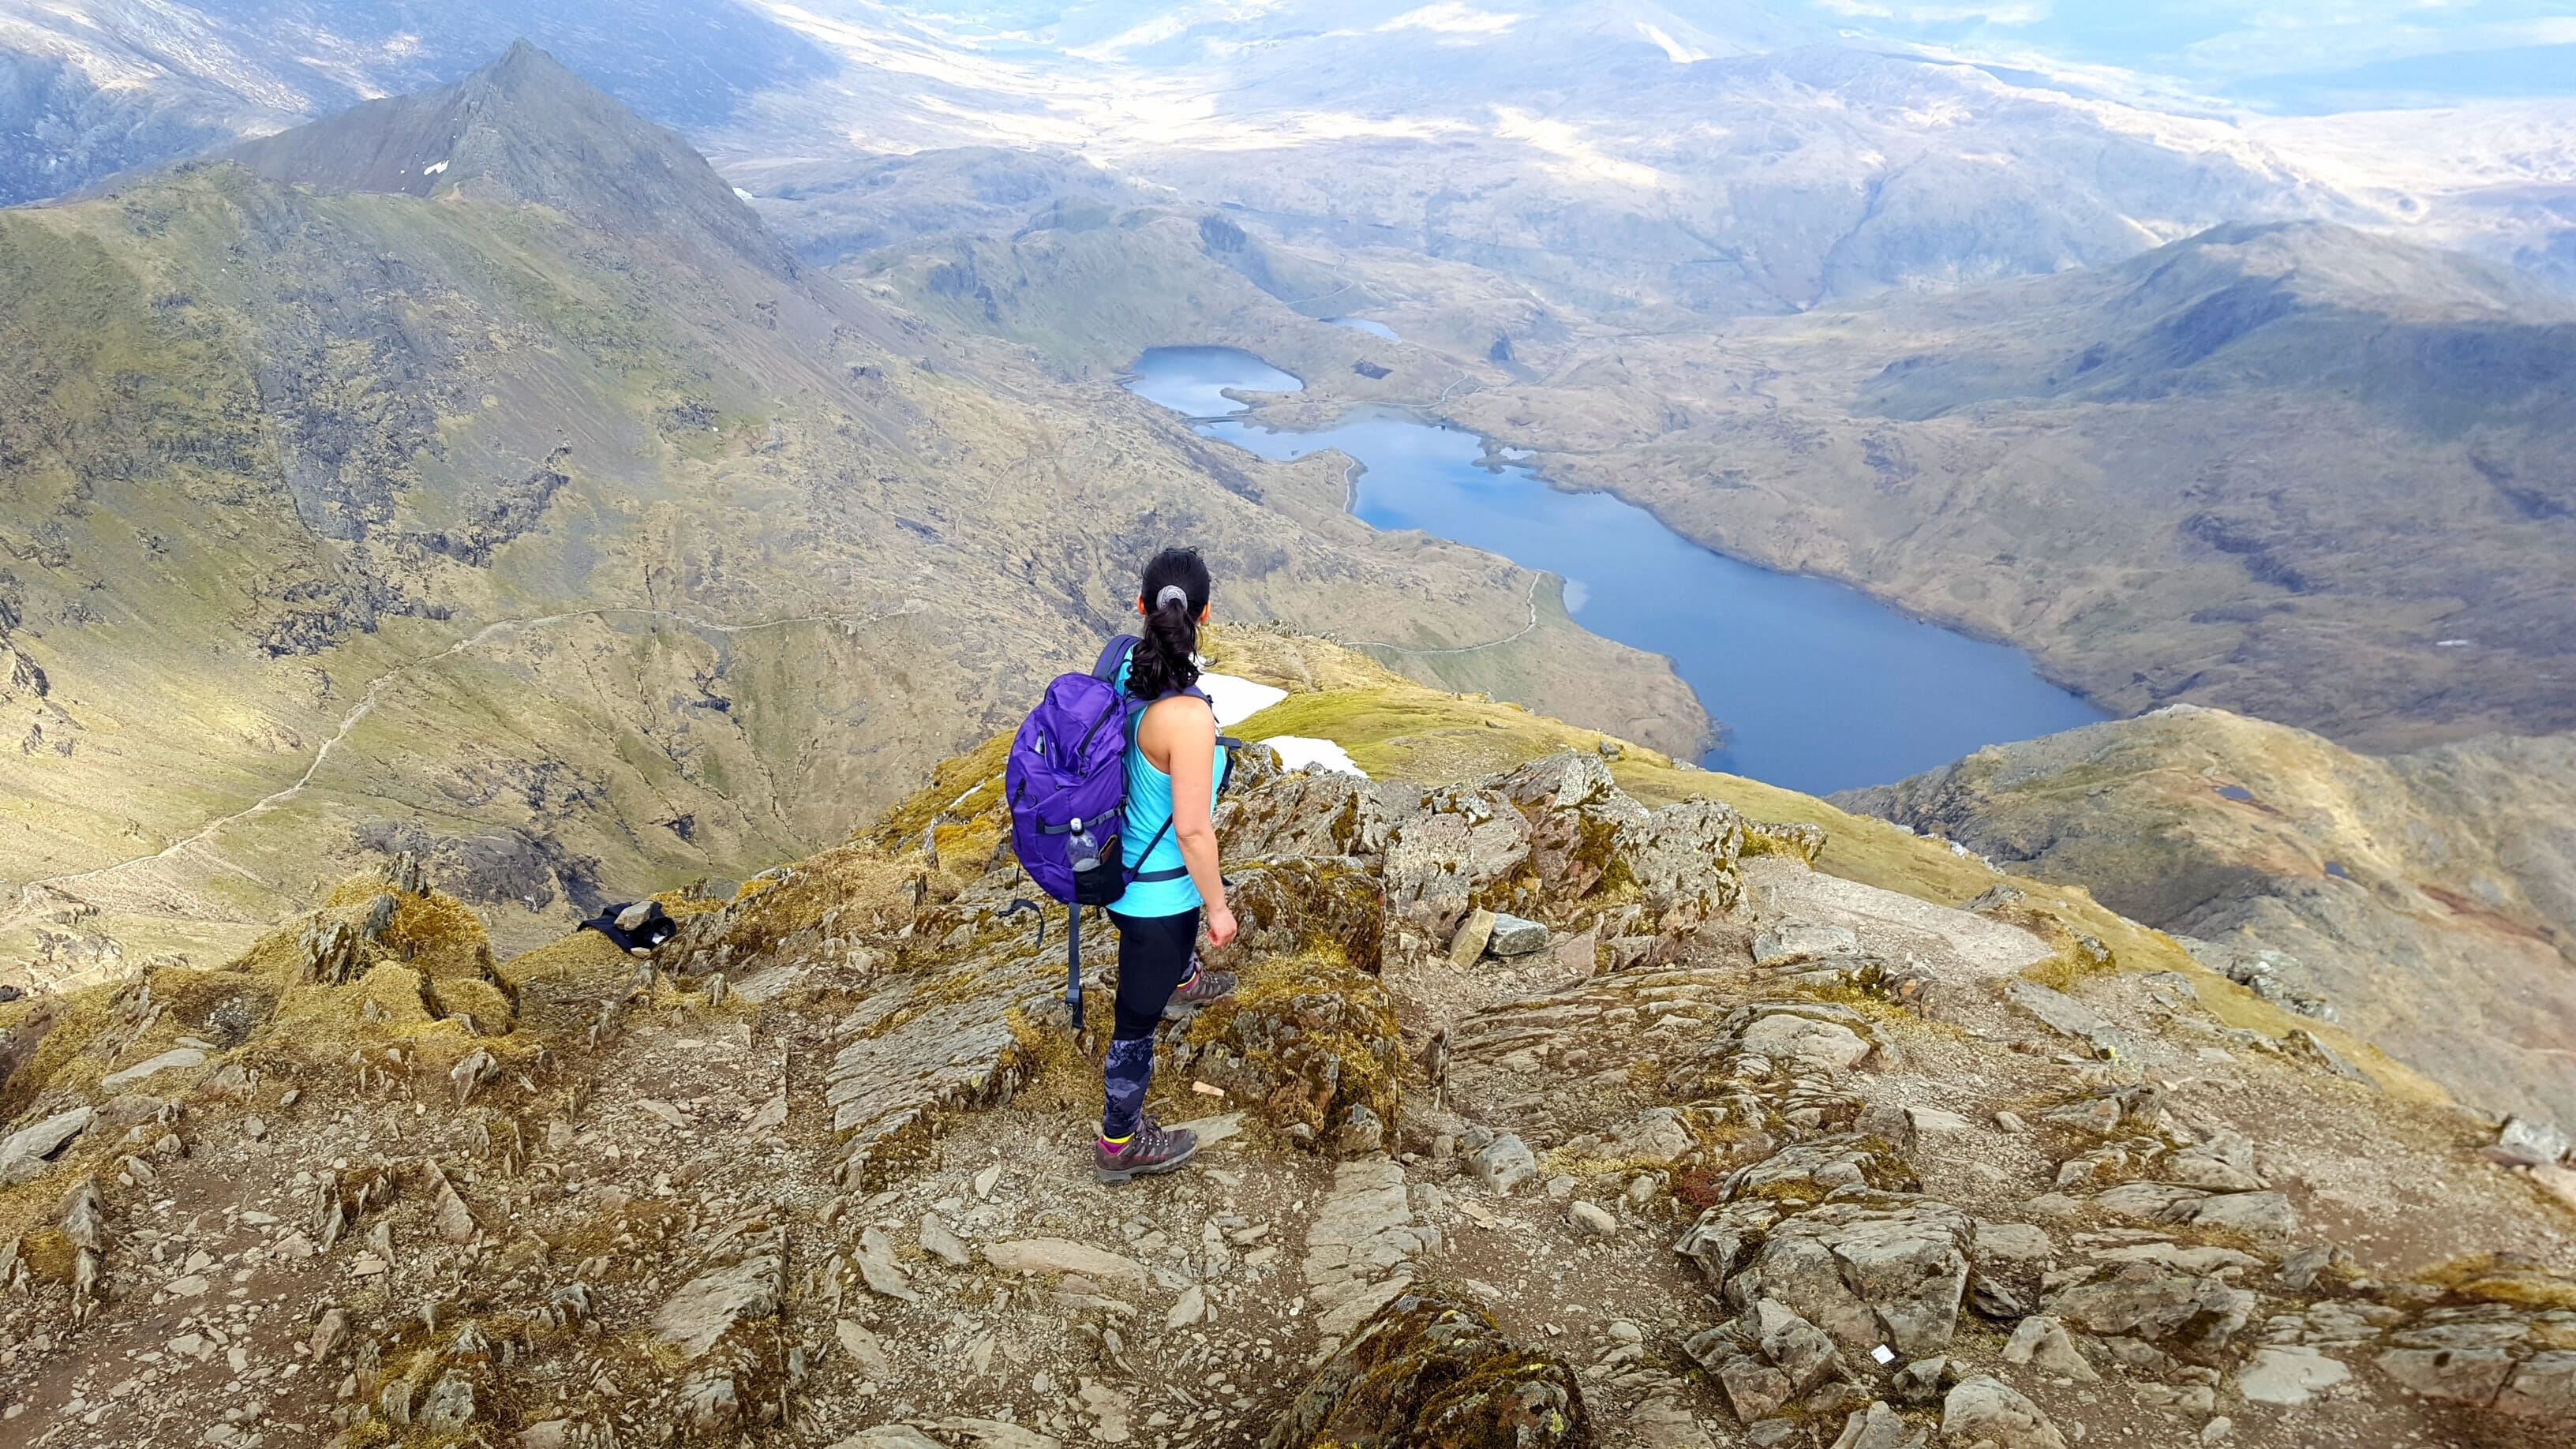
[2426,900]
[1542,1117]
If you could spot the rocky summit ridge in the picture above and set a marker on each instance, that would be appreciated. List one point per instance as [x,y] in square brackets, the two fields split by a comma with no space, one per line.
[1561,1103]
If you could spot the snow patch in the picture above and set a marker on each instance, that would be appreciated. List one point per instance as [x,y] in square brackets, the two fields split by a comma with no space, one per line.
[1238,699]
[1674,50]
[1297,752]
[433,170]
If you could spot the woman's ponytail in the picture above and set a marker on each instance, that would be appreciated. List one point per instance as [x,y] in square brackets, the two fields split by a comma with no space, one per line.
[1174,594]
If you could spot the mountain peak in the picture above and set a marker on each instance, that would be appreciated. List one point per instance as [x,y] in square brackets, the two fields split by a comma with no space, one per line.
[2326,263]
[525,128]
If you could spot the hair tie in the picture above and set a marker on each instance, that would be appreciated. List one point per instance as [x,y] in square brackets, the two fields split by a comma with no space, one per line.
[1172,594]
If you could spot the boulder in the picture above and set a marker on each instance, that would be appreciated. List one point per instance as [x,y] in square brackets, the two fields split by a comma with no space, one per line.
[23,1156]
[2044,1344]
[1723,1237]
[2064,1014]
[2463,1375]
[2465,1357]
[1985,1410]
[2007,1263]
[1474,934]
[2198,1169]
[2543,1387]
[1682,858]
[2255,1214]
[1441,863]
[1754,1389]
[1318,815]
[1798,1348]
[1515,936]
[1656,1135]
[1891,1273]
[1434,1372]
[2288,1377]
[1331,902]
[1576,814]
[2530,1144]
[709,1305]
[2152,1202]
[1306,1041]
[449,1406]
[1793,942]
[1805,1042]
[1819,1165]
[2159,1305]
[175,1060]
[1056,1255]
[1878,1427]
[1504,1163]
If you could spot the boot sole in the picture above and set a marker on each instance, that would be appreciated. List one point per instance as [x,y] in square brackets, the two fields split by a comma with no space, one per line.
[1113,1176]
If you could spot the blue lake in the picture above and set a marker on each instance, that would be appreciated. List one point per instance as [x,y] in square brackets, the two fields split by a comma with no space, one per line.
[1362,324]
[1819,686]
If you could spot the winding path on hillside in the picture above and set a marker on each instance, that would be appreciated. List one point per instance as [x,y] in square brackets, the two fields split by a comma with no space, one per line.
[366,705]
[1537,577]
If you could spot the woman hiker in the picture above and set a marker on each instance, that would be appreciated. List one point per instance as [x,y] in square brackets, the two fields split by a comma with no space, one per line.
[1173,765]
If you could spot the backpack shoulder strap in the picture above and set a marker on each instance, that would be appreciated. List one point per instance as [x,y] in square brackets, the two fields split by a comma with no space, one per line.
[1113,655]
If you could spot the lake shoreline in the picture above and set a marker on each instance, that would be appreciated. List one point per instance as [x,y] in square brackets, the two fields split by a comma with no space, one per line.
[1815,684]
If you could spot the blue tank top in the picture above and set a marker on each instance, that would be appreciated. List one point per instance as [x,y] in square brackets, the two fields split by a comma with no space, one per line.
[1149,810]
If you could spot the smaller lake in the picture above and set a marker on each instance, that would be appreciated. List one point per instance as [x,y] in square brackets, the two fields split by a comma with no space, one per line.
[1819,686]
[1362,324]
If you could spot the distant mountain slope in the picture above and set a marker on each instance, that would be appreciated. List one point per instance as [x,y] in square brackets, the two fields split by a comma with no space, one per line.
[2428,898]
[2294,470]
[552,520]
[96,88]
[1629,157]
[2445,339]
[2300,472]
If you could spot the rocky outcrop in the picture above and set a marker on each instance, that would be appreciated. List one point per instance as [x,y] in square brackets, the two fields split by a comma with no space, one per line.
[1433,1370]
[2404,896]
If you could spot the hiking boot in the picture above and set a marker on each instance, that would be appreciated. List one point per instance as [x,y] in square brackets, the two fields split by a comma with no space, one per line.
[1204,986]
[1148,1151]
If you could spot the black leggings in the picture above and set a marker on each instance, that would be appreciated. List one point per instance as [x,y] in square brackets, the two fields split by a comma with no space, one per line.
[1153,960]
[1154,954]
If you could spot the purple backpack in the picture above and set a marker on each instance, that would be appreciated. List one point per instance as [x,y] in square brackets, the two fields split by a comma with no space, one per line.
[1066,788]
[1066,784]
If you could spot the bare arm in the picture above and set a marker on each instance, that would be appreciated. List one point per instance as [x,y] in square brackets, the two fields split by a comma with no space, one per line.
[1183,732]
